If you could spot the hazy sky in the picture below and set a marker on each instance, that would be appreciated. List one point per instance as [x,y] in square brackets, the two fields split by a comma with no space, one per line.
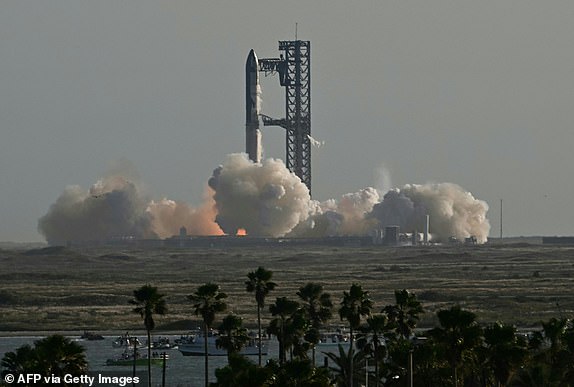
[478,93]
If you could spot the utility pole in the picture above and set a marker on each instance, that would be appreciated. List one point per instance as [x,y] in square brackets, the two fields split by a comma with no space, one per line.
[411,368]
[500,220]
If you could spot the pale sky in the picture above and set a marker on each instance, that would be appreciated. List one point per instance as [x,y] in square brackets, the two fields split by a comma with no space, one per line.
[478,93]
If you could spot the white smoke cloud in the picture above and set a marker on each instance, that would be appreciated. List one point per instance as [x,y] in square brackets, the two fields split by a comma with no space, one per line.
[268,200]
[453,211]
[114,207]
[264,199]
[346,216]
[110,208]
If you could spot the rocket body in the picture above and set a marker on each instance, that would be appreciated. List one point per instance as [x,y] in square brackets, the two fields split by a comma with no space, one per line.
[252,107]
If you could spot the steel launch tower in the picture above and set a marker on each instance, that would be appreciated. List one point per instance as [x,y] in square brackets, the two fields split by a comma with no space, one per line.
[294,69]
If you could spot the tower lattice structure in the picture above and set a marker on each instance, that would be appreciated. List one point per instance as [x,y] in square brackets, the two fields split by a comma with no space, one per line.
[294,69]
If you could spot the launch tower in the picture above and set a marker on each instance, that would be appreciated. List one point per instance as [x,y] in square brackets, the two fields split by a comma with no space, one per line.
[294,69]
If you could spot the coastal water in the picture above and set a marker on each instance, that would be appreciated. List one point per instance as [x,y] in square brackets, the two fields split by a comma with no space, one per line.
[181,371]
[184,371]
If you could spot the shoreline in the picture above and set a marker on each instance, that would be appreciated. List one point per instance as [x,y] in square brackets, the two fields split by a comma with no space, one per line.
[79,333]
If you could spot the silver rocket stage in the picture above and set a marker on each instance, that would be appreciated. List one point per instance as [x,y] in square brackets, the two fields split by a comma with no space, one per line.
[252,107]
[294,69]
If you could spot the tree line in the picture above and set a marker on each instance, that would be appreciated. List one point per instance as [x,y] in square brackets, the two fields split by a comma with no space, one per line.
[384,348]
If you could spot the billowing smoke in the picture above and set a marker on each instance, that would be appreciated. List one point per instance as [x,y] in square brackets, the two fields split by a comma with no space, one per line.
[452,210]
[264,199]
[169,216]
[249,199]
[114,207]
[110,208]
[346,216]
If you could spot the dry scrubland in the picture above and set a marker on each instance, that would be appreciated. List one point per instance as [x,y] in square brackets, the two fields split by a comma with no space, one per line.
[61,289]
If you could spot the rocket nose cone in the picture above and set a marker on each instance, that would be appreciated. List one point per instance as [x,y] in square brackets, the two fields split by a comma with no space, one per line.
[251,57]
[252,61]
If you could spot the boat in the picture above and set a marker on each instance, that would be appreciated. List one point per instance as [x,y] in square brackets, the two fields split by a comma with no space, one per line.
[193,345]
[162,343]
[329,339]
[127,359]
[126,341]
[87,335]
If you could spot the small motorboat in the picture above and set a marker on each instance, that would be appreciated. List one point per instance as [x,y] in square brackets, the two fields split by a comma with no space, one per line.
[87,335]
[194,345]
[127,359]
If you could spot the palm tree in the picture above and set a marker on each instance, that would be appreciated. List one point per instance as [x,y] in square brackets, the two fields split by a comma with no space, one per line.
[260,283]
[568,342]
[59,356]
[232,335]
[553,331]
[348,370]
[459,334]
[504,352]
[54,355]
[405,313]
[240,371]
[355,304]
[317,306]
[371,341]
[403,317]
[536,375]
[22,361]
[296,327]
[553,349]
[208,300]
[285,309]
[148,302]
[299,372]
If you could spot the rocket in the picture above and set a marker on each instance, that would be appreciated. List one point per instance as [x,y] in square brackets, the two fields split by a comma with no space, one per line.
[252,95]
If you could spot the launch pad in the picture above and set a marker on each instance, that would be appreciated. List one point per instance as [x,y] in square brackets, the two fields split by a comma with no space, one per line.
[294,70]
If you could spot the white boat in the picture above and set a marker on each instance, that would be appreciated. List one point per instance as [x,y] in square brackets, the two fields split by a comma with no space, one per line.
[193,345]
[329,339]
[162,343]
[126,341]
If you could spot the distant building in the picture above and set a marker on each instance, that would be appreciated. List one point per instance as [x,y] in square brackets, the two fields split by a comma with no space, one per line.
[556,240]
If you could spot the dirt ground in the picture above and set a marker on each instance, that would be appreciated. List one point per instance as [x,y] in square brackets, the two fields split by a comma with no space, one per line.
[56,289]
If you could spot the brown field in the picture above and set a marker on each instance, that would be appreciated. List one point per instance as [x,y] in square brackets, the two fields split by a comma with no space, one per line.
[61,289]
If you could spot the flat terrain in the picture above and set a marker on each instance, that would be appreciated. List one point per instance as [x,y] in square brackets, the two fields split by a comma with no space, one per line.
[61,289]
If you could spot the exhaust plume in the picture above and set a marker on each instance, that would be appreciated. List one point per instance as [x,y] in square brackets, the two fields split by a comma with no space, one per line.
[314,142]
[265,199]
[169,216]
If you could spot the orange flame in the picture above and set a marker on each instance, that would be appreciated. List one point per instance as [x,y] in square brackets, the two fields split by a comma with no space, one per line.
[241,232]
